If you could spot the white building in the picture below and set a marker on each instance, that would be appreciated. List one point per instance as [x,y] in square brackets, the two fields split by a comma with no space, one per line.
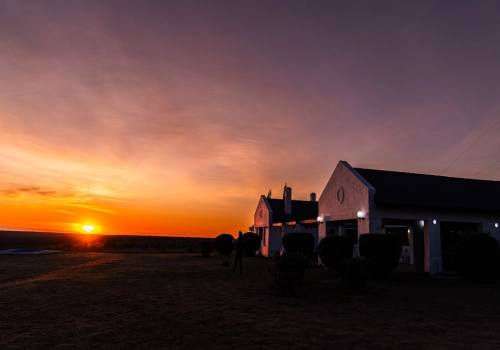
[427,211]
[274,218]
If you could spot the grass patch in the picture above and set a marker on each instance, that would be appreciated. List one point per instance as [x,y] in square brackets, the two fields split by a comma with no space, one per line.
[130,301]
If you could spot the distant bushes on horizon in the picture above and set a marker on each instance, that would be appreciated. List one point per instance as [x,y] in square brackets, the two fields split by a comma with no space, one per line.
[100,243]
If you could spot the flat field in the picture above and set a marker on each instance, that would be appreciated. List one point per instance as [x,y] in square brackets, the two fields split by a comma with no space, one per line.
[75,300]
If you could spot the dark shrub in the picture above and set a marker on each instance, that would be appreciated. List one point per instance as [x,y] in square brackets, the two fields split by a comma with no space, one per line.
[334,250]
[477,257]
[223,244]
[206,248]
[382,250]
[252,243]
[288,271]
[355,273]
[298,242]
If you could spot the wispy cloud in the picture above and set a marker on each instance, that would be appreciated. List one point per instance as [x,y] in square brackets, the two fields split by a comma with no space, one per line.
[95,208]
[33,191]
[64,212]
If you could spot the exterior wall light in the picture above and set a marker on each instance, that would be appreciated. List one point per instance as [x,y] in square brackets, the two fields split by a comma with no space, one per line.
[360,215]
[434,221]
[320,219]
[496,224]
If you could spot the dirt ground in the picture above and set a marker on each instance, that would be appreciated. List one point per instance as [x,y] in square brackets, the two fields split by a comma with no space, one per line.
[184,301]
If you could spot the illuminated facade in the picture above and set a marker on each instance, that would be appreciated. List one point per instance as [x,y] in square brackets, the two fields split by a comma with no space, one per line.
[274,218]
[428,212]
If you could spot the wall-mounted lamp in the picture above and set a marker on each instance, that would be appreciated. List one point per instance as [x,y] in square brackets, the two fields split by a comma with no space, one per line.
[320,219]
[360,215]
[434,221]
[496,224]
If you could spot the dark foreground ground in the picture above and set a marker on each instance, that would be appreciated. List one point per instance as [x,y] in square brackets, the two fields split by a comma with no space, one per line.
[168,301]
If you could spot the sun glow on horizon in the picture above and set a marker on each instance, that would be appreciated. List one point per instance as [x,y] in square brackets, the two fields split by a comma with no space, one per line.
[88,228]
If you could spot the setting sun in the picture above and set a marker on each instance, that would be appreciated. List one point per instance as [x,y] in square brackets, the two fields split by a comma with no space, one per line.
[88,228]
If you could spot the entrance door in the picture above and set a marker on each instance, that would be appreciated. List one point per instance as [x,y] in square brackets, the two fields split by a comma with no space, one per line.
[450,232]
[406,240]
[415,251]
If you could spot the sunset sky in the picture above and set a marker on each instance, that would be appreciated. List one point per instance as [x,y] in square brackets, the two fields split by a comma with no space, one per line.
[173,117]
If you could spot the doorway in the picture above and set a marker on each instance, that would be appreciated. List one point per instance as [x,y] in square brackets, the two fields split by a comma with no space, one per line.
[344,228]
[411,234]
[450,233]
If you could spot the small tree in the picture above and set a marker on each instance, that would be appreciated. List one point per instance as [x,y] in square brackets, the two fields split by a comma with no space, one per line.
[223,244]
[298,242]
[334,250]
[478,258]
[252,243]
[287,271]
[355,273]
[382,250]
[206,248]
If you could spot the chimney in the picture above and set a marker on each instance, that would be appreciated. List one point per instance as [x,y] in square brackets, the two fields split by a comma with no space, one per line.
[287,199]
[312,197]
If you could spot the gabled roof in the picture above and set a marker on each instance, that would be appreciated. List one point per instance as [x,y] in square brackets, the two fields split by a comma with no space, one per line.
[408,189]
[301,210]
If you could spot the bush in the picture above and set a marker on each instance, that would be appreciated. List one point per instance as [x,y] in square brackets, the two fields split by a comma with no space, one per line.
[288,271]
[298,242]
[252,243]
[355,272]
[477,257]
[382,250]
[223,244]
[334,250]
[206,248]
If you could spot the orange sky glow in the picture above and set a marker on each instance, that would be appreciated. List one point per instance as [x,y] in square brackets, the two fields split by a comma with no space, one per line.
[172,118]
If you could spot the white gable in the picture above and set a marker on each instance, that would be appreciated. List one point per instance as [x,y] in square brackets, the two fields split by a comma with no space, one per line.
[263,213]
[345,194]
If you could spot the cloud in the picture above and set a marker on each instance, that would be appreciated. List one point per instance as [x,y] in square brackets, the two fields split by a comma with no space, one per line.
[65,212]
[91,207]
[33,191]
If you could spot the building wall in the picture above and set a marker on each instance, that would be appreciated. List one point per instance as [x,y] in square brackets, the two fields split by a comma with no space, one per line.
[432,232]
[347,192]
[344,195]
[487,220]
[275,236]
[262,218]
